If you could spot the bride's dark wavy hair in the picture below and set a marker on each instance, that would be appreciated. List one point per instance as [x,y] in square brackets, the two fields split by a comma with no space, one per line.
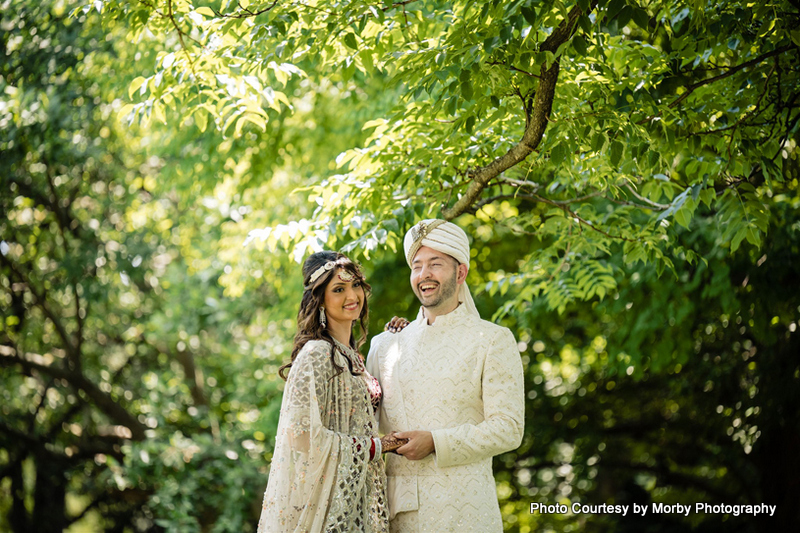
[308,324]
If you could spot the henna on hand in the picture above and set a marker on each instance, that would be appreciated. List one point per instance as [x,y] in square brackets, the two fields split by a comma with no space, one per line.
[390,443]
[396,324]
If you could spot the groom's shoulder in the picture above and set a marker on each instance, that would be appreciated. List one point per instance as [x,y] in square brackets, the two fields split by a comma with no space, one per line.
[485,325]
[493,330]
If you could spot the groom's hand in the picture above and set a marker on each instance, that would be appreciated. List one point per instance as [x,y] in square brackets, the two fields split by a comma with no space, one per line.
[420,444]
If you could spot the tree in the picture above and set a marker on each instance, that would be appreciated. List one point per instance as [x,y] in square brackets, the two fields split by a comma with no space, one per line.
[593,135]
[55,260]
[676,390]
[122,376]
[599,124]
[139,341]
[628,170]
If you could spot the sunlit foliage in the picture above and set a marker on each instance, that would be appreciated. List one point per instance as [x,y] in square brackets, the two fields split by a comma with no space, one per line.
[627,169]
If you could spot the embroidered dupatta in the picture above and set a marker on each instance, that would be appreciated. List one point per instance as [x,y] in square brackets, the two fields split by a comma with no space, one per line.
[321,478]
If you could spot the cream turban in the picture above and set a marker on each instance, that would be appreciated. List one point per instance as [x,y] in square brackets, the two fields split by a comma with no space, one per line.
[444,237]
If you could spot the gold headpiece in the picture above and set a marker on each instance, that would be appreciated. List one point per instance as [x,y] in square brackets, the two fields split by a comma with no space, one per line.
[419,232]
[330,265]
[344,275]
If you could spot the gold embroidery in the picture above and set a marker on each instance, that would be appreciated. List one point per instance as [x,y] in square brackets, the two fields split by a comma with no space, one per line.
[345,275]
[420,232]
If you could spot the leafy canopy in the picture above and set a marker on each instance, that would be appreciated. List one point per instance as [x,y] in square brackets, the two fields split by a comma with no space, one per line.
[583,127]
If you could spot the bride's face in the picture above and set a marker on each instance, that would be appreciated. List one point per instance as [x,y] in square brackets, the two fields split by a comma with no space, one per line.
[344,297]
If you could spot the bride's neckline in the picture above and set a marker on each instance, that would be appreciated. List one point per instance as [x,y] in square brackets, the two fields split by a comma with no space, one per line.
[342,345]
[350,353]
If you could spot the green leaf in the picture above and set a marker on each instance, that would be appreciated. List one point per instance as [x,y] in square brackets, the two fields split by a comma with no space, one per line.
[470,124]
[696,191]
[598,141]
[558,153]
[136,84]
[738,238]
[579,43]
[624,16]
[753,237]
[683,217]
[207,11]
[707,196]
[771,170]
[201,118]
[350,40]
[641,18]
[616,153]
[452,104]
[585,23]
[529,14]
[614,7]
[466,90]
[367,61]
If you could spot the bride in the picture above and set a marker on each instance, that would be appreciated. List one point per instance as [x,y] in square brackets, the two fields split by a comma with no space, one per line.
[327,473]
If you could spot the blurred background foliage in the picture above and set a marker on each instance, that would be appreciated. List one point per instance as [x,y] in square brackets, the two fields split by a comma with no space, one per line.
[645,255]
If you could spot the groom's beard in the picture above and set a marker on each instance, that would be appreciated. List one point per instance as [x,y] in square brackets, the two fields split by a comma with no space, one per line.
[445,292]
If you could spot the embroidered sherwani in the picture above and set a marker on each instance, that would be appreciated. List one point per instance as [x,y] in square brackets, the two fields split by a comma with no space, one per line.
[461,379]
[321,478]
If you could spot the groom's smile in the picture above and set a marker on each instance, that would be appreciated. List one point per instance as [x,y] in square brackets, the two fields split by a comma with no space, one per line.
[427,287]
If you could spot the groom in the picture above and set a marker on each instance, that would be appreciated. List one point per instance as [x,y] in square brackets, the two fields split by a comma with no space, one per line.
[452,385]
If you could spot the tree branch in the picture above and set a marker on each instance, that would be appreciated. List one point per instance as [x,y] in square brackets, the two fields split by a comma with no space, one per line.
[194,377]
[535,127]
[79,333]
[512,67]
[246,13]
[562,204]
[42,399]
[41,301]
[486,201]
[106,404]
[731,72]
[521,183]
[589,225]
[691,88]
[752,113]
[655,205]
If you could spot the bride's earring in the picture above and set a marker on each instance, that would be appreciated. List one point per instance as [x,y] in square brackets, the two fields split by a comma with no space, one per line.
[322,319]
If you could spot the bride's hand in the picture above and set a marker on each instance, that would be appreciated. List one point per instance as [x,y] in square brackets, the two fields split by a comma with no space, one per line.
[390,443]
[397,323]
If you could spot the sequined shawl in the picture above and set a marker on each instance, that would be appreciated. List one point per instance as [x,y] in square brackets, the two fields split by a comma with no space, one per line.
[321,477]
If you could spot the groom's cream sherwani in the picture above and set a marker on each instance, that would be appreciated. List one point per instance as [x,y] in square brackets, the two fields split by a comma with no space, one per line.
[461,379]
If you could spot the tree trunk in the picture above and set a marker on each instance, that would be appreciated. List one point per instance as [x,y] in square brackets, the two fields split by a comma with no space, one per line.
[49,509]
[17,517]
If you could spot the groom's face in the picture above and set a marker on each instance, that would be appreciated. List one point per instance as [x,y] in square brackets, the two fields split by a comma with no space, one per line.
[434,278]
